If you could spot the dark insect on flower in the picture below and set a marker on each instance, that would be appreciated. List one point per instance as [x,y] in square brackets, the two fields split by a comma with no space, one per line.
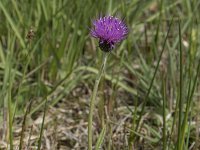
[109,30]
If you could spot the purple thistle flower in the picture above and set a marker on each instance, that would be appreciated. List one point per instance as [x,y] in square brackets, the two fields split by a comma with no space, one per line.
[109,30]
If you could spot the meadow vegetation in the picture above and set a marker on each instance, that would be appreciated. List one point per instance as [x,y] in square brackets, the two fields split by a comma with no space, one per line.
[148,97]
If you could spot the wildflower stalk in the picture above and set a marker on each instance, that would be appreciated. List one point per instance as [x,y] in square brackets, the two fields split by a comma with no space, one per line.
[109,30]
[92,101]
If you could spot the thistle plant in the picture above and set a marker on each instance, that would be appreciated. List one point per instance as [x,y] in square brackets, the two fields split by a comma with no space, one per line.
[109,31]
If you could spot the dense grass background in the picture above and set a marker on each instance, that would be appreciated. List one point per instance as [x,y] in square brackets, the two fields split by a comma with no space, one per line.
[149,95]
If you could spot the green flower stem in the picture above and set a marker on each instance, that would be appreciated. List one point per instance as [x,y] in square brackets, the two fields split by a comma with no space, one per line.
[92,101]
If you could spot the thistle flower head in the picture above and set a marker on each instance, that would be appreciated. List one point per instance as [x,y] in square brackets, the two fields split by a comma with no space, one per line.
[109,30]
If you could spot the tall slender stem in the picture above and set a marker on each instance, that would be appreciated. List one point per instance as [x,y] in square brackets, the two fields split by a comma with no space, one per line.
[92,100]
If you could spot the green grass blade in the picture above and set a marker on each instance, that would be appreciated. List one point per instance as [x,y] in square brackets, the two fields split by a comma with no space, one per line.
[42,126]
[164,115]
[24,126]
[13,26]
[180,145]
[101,138]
